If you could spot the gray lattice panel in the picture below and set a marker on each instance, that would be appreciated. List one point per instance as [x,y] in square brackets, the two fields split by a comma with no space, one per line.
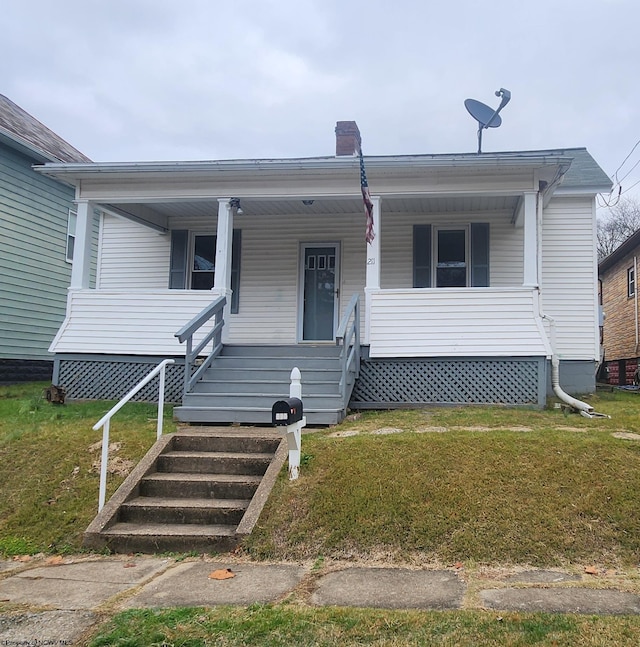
[111,379]
[508,381]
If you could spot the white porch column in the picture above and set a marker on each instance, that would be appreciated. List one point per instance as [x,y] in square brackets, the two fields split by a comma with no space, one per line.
[81,268]
[530,213]
[373,265]
[224,245]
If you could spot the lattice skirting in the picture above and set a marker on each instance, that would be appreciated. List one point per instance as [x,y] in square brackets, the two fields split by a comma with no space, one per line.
[397,382]
[108,378]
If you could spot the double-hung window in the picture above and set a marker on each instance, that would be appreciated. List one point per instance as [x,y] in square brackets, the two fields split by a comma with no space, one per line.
[71,234]
[631,282]
[451,256]
[193,258]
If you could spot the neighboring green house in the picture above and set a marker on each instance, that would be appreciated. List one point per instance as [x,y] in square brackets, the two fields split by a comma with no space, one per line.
[37,220]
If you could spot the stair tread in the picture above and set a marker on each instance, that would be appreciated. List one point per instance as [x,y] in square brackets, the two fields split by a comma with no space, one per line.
[198,477]
[175,502]
[170,530]
[188,453]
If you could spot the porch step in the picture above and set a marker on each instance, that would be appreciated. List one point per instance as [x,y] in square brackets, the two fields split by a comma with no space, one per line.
[273,387]
[190,493]
[243,382]
[250,415]
[295,351]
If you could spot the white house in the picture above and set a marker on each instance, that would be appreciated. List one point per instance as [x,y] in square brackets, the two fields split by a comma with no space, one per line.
[483,266]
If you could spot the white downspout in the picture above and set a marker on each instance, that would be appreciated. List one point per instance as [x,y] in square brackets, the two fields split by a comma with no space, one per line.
[583,408]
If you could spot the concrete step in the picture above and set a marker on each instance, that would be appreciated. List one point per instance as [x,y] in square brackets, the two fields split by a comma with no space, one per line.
[185,497]
[214,462]
[214,486]
[183,511]
[159,537]
[193,440]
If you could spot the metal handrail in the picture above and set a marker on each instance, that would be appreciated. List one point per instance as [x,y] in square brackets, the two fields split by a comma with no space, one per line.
[106,419]
[349,335]
[214,310]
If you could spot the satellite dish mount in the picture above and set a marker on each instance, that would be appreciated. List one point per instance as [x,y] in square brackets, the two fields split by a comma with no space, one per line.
[485,116]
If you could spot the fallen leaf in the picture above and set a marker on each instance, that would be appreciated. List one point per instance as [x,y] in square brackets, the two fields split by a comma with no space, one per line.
[222,574]
[22,558]
[129,565]
[52,561]
[459,565]
[591,570]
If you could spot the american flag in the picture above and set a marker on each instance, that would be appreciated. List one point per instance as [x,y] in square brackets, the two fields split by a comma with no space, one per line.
[368,205]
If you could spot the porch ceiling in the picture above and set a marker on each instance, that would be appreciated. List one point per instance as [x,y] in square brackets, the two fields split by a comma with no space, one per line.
[337,206]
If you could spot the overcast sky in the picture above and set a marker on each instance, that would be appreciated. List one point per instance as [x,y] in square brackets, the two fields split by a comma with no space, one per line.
[138,80]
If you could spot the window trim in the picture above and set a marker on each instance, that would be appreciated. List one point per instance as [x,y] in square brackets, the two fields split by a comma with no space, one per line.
[631,282]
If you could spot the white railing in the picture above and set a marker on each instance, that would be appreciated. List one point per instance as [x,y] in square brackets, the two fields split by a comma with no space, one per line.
[106,419]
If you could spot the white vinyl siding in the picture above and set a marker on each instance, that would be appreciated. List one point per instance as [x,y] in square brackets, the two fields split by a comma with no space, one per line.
[135,259]
[132,257]
[268,310]
[133,323]
[505,252]
[569,278]
[456,322]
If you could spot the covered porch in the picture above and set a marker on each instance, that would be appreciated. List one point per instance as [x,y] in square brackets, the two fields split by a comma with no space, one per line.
[452,273]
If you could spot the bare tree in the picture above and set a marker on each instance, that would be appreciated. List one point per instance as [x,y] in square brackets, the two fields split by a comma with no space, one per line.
[614,228]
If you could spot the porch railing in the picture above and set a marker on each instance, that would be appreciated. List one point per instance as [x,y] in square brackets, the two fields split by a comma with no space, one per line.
[186,333]
[106,419]
[348,336]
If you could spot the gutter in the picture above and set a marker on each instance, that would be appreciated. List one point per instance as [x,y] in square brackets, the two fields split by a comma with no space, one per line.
[306,164]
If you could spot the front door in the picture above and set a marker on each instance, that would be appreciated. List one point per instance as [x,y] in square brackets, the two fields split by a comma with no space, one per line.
[319,281]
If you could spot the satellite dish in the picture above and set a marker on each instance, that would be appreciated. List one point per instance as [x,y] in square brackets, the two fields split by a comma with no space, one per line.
[486,116]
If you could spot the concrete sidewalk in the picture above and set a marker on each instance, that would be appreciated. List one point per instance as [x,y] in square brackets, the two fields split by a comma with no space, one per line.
[43,602]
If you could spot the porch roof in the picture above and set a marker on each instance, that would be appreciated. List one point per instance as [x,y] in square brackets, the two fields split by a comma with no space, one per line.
[576,164]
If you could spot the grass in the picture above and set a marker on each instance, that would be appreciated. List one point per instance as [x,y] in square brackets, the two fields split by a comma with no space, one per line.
[49,480]
[481,485]
[562,491]
[280,625]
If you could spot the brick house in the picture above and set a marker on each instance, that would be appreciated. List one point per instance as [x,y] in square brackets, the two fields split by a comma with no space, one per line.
[619,297]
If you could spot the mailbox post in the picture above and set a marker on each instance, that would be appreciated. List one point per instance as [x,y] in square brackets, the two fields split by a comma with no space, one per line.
[289,415]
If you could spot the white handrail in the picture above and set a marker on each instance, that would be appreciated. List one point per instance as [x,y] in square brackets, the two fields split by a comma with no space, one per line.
[105,420]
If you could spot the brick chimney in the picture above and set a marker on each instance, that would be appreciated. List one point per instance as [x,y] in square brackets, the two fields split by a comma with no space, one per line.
[347,138]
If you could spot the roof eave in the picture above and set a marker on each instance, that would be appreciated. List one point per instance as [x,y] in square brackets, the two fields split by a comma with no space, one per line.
[79,170]
[25,147]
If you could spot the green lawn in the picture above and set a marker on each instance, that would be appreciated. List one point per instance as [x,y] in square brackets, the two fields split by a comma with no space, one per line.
[49,478]
[286,625]
[491,485]
[480,485]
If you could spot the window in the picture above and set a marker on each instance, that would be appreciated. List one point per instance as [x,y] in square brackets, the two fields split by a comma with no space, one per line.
[203,263]
[631,282]
[451,256]
[193,260]
[71,234]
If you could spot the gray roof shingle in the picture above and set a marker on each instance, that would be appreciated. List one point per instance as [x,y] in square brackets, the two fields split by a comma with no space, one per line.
[18,127]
